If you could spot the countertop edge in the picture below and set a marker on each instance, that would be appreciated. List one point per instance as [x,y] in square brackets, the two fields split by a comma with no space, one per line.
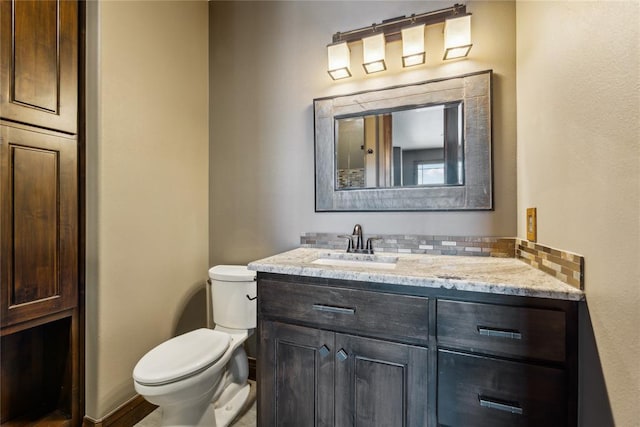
[513,289]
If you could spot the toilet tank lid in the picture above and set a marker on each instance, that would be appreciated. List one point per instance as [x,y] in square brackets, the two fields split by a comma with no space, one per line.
[232,273]
[181,357]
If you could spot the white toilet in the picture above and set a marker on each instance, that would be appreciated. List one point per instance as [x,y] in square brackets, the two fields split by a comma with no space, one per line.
[200,378]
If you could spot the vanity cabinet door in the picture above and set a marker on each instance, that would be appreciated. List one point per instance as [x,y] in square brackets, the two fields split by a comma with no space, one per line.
[295,368]
[379,383]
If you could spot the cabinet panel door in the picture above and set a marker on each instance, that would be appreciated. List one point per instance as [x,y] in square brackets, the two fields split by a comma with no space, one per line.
[380,383]
[39,228]
[296,376]
[40,63]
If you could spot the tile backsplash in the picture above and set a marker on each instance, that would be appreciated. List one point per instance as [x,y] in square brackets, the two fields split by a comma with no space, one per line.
[421,244]
[565,266]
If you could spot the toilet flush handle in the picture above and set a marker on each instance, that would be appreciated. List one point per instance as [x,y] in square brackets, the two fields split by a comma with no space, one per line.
[247,295]
[255,279]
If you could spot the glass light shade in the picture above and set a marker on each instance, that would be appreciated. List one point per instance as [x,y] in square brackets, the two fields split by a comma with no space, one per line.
[339,56]
[373,48]
[413,46]
[457,37]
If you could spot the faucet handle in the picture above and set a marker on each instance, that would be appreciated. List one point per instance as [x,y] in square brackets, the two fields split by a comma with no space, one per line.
[350,244]
[370,243]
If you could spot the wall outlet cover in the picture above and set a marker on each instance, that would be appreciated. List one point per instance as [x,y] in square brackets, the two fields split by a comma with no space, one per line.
[532,225]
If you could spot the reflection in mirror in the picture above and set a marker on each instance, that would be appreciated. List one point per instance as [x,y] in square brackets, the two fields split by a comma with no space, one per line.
[410,146]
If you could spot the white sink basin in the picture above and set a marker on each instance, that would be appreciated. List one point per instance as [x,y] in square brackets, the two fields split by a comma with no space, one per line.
[357,260]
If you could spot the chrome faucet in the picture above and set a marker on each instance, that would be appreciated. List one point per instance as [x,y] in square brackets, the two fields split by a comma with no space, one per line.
[358,245]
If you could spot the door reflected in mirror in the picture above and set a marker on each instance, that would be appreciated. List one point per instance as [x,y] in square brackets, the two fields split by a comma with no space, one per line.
[407,147]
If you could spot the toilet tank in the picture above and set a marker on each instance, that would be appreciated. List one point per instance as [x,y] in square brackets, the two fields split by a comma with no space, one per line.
[233,296]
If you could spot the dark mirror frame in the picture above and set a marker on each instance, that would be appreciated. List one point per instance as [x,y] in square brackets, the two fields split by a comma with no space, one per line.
[474,90]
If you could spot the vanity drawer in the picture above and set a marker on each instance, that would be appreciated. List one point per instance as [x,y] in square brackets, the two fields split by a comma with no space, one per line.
[502,330]
[480,391]
[376,314]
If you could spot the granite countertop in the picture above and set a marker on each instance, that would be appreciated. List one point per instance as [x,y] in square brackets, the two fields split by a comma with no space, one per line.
[507,276]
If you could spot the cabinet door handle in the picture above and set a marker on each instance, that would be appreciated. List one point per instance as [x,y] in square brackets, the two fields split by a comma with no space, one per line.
[487,402]
[342,355]
[500,333]
[324,351]
[332,309]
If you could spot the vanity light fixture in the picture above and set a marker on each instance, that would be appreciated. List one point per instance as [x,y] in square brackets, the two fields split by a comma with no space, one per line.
[413,46]
[457,37]
[408,29]
[339,60]
[373,49]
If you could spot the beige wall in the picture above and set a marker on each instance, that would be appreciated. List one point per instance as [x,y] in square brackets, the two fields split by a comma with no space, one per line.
[268,63]
[579,164]
[147,178]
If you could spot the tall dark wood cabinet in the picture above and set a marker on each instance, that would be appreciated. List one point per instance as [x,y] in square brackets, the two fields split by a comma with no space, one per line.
[41,174]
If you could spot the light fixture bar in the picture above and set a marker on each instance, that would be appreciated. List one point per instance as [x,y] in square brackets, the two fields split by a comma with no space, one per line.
[392,27]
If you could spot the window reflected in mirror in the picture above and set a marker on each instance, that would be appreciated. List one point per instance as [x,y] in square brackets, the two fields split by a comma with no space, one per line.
[408,147]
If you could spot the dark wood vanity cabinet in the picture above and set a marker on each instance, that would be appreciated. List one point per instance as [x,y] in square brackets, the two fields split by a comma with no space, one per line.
[338,353]
[314,371]
[40,213]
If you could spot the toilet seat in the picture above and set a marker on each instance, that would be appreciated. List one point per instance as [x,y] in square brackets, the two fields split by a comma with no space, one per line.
[181,357]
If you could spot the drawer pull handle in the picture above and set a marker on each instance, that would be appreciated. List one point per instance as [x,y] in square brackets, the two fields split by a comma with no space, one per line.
[342,355]
[487,402]
[332,309]
[500,333]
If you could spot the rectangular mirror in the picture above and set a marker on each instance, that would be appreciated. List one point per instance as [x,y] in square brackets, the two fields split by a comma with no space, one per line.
[424,146]
[410,146]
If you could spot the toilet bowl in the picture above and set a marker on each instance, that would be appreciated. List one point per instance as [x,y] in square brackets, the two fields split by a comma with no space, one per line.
[200,378]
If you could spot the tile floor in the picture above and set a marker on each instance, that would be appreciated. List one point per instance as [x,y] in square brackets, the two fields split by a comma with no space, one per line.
[247,420]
